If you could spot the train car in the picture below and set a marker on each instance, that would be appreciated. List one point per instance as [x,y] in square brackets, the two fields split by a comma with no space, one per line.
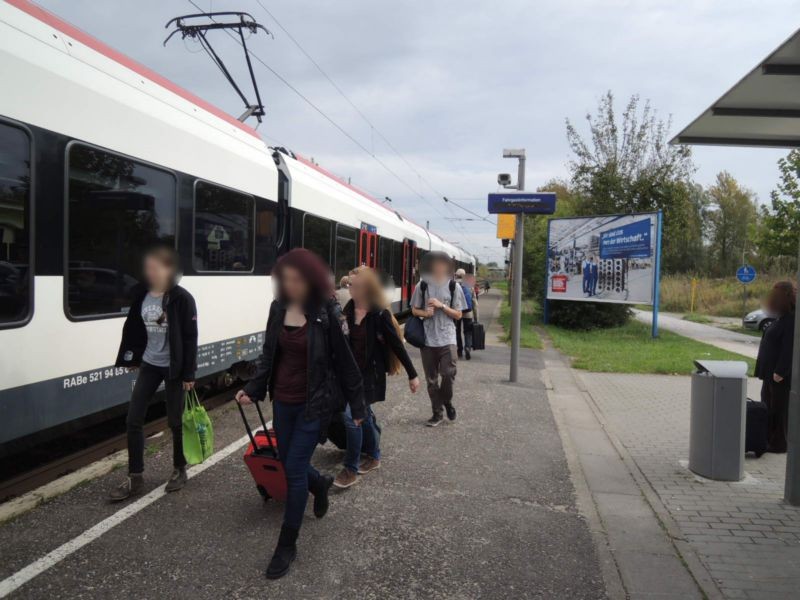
[100,157]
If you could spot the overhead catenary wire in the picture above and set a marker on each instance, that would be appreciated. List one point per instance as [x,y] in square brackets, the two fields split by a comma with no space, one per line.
[339,127]
[373,128]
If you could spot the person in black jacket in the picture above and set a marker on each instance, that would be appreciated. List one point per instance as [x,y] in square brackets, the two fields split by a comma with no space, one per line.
[159,338]
[774,363]
[378,349]
[305,360]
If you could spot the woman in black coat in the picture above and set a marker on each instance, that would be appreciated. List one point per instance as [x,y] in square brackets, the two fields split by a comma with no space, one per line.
[305,358]
[774,363]
[159,339]
[378,349]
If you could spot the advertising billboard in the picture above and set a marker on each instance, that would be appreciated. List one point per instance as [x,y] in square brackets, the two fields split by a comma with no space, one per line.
[610,258]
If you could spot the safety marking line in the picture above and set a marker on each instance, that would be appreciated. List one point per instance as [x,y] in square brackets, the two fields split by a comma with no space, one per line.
[24,575]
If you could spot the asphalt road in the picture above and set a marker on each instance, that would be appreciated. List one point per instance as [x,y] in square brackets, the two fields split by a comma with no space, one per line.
[733,341]
[479,508]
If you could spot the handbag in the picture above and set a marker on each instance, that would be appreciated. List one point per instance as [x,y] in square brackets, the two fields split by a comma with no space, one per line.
[198,431]
[414,331]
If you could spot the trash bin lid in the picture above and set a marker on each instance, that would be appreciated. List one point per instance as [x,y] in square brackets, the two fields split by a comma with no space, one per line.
[722,368]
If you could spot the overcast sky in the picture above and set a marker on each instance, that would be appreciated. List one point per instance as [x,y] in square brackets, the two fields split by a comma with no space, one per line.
[452,82]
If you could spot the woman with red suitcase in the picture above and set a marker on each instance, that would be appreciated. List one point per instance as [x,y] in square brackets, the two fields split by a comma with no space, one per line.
[304,358]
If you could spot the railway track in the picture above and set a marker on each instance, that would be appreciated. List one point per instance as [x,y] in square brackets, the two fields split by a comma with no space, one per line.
[70,462]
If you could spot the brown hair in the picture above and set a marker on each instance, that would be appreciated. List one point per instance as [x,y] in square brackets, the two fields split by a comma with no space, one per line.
[312,268]
[782,298]
[377,299]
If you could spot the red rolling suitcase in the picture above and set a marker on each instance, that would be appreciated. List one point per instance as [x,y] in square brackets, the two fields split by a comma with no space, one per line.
[262,459]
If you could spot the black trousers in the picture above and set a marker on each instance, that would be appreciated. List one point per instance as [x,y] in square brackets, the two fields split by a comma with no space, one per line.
[776,397]
[466,324]
[147,382]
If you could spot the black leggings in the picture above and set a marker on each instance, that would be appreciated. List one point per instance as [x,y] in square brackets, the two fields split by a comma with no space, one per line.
[776,397]
[147,382]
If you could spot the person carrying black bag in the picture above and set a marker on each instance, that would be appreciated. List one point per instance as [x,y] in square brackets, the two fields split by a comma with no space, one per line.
[438,301]
[774,363]
[378,348]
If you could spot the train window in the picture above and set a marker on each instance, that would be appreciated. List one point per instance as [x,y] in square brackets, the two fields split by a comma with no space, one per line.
[117,207]
[317,236]
[385,255]
[346,250]
[224,221]
[15,177]
[397,263]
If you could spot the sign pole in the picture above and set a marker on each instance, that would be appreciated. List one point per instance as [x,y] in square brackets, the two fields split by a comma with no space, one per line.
[791,490]
[516,295]
[546,306]
[657,277]
[519,203]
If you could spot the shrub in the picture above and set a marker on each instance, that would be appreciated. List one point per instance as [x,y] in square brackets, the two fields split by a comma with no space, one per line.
[587,315]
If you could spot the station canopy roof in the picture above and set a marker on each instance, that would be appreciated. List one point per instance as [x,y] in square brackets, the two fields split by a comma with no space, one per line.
[763,109]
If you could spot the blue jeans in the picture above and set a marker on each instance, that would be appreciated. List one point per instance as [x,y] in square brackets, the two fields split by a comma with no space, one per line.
[366,438]
[297,439]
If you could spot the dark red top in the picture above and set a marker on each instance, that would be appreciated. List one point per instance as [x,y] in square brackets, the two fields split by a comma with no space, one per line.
[358,342]
[290,380]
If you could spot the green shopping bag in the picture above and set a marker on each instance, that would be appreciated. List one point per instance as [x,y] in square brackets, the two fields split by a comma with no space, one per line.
[198,432]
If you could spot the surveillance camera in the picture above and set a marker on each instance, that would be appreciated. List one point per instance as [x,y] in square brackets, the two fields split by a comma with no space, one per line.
[504,179]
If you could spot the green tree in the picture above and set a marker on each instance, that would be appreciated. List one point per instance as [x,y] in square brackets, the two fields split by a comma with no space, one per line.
[536,238]
[779,229]
[626,165]
[731,220]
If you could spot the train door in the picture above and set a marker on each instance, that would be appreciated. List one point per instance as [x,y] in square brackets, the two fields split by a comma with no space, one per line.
[368,248]
[409,270]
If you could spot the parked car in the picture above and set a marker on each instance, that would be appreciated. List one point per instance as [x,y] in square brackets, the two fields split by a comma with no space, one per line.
[758,319]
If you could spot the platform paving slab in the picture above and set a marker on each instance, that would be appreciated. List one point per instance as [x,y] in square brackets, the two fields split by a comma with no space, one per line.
[743,533]
[644,559]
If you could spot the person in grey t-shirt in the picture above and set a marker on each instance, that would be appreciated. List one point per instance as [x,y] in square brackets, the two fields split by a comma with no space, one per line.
[439,300]
[156,351]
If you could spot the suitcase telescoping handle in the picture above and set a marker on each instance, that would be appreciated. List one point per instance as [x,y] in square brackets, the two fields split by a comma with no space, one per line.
[250,431]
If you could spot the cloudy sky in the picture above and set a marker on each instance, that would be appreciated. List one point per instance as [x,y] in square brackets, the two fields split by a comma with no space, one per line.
[450,83]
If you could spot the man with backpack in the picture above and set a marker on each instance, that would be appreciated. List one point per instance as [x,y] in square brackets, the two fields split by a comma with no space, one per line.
[464,324]
[439,301]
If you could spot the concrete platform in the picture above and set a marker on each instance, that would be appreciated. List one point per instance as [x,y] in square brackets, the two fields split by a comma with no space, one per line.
[480,508]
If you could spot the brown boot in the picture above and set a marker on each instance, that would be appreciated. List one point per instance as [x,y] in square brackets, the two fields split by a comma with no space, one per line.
[345,479]
[132,486]
[369,465]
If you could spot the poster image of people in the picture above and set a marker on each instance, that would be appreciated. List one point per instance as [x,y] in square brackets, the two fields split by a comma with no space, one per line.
[608,258]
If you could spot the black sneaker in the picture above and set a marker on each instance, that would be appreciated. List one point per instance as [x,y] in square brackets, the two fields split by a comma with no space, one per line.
[434,421]
[177,480]
[451,412]
[132,486]
[467,354]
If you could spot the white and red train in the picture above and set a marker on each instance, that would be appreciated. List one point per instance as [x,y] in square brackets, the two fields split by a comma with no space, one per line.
[100,156]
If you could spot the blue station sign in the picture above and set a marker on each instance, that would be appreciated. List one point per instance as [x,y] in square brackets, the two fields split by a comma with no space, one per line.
[537,203]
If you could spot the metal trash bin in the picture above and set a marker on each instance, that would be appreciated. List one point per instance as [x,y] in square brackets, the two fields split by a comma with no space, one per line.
[718,413]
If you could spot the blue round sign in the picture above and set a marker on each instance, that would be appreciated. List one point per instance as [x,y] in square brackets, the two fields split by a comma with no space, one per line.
[746,274]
